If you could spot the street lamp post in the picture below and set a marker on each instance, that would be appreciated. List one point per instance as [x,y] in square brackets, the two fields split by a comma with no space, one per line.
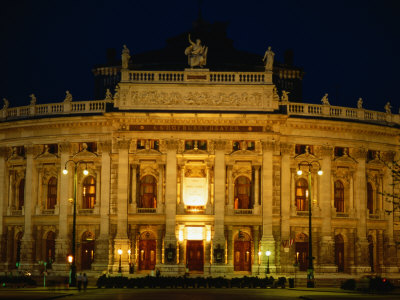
[268,253]
[72,278]
[120,255]
[310,270]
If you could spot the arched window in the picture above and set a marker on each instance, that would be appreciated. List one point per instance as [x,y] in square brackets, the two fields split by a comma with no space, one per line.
[52,193]
[148,192]
[339,196]
[21,194]
[242,193]
[301,194]
[89,192]
[50,248]
[370,198]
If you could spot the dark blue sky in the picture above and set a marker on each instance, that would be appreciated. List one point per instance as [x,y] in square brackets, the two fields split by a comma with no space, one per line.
[348,49]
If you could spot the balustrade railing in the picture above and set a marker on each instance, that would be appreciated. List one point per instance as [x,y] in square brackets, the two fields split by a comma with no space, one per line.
[243,211]
[146,210]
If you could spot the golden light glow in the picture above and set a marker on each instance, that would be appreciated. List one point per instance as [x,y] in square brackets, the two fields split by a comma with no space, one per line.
[129,251]
[120,251]
[208,235]
[299,172]
[85,172]
[181,235]
[65,171]
[195,191]
[194,233]
[268,253]
[70,259]
[320,172]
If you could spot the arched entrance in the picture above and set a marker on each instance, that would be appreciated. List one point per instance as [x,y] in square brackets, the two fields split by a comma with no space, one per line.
[339,252]
[147,251]
[87,250]
[242,252]
[50,248]
[301,248]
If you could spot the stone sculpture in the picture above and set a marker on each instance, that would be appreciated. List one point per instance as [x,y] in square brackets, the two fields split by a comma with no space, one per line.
[6,103]
[269,59]
[108,95]
[359,102]
[33,99]
[325,100]
[388,108]
[285,95]
[125,57]
[196,53]
[68,96]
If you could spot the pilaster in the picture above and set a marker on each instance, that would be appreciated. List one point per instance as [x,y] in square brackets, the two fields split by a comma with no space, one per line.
[286,201]
[327,245]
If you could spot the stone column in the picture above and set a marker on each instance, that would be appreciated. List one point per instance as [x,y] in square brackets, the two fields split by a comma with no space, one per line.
[361,247]
[267,238]
[160,189]
[121,240]
[170,193]
[230,245]
[27,242]
[3,194]
[63,243]
[219,207]
[102,241]
[255,270]
[230,191]
[390,253]
[286,203]
[256,206]
[327,244]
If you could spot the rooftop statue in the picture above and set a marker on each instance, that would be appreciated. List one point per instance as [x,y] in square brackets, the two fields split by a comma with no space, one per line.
[68,96]
[196,53]
[285,95]
[325,100]
[33,99]
[359,102]
[388,108]
[6,103]
[108,95]
[269,59]
[125,57]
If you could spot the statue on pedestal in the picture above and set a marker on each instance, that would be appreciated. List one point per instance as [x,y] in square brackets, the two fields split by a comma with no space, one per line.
[125,57]
[33,99]
[68,97]
[388,108]
[6,103]
[269,59]
[325,100]
[196,53]
[285,95]
[108,95]
[359,102]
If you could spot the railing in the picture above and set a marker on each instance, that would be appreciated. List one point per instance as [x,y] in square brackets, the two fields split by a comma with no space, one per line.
[86,211]
[198,76]
[337,112]
[147,210]
[64,108]
[342,215]
[243,211]
[48,212]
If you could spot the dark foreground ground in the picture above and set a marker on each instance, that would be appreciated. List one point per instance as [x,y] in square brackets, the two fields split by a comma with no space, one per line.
[190,294]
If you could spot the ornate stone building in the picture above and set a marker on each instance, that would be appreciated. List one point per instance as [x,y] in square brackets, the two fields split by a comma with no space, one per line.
[196,171]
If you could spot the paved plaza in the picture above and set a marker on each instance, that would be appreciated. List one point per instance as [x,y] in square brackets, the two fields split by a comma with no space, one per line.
[192,294]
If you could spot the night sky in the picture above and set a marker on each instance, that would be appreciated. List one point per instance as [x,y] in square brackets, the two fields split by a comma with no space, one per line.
[348,49]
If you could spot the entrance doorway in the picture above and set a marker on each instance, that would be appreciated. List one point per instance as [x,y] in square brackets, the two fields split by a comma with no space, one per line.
[301,249]
[147,251]
[87,251]
[195,255]
[242,252]
[339,252]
